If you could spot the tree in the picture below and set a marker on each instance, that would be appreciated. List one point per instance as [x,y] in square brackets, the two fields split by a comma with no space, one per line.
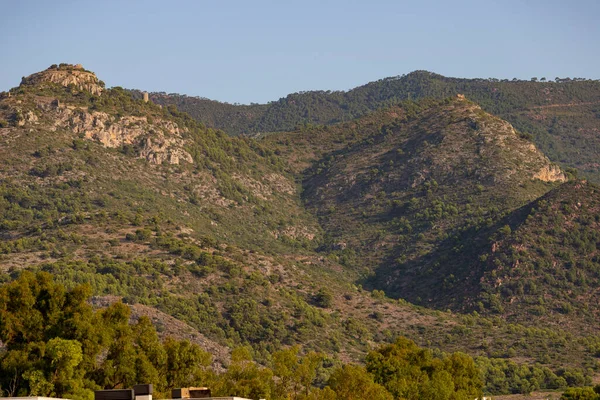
[65,356]
[410,372]
[353,382]
[323,298]
[41,325]
[57,345]
[586,393]
[295,373]
[186,364]
[244,378]
[320,394]
[152,356]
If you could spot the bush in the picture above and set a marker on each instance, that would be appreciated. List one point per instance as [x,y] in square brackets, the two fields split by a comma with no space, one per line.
[323,298]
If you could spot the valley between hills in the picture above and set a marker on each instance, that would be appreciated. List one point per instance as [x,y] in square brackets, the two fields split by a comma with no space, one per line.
[435,226]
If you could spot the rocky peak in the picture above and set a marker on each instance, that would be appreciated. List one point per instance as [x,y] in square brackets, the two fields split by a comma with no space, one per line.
[65,75]
[156,138]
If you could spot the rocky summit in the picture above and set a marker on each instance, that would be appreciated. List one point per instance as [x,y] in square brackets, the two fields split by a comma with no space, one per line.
[65,75]
[157,141]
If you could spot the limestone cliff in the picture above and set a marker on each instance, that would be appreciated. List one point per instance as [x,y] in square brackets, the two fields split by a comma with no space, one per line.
[550,173]
[158,142]
[149,134]
[65,75]
[503,155]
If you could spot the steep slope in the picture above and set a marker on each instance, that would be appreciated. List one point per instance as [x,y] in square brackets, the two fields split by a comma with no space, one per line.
[537,266]
[431,202]
[561,115]
[544,262]
[201,170]
[413,181]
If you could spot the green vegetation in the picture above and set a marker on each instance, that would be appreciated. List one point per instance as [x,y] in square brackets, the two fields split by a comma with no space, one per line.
[553,244]
[586,393]
[407,371]
[55,344]
[53,340]
[561,115]
[404,189]
[290,257]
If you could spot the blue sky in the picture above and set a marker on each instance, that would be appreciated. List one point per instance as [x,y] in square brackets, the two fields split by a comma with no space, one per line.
[258,51]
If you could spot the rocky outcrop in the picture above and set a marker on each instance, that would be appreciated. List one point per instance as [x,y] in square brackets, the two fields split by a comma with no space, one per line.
[550,173]
[502,153]
[22,118]
[66,75]
[158,142]
[158,151]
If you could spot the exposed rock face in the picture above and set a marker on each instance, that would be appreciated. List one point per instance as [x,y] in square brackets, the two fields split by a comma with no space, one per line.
[66,75]
[501,154]
[24,118]
[164,149]
[158,142]
[550,173]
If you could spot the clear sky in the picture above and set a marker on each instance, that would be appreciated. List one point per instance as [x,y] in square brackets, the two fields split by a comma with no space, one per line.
[258,51]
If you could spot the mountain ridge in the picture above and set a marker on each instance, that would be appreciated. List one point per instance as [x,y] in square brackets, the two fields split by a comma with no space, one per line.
[413,176]
[566,131]
[254,242]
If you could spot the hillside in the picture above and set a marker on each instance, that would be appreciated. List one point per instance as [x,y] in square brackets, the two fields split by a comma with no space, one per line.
[235,241]
[545,264]
[410,178]
[444,205]
[414,197]
[145,204]
[560,115]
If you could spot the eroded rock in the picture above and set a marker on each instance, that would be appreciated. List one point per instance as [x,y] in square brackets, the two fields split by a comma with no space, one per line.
[66,75]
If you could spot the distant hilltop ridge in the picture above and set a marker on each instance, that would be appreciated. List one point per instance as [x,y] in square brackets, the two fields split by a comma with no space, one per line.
[65,75]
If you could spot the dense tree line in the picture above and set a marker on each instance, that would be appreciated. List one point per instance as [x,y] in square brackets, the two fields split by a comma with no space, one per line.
[565,137]
[327,107]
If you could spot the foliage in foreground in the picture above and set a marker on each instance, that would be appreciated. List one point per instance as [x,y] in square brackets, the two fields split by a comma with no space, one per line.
[56,344]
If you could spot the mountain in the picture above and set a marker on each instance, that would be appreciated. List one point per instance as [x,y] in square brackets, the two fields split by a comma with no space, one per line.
[296,238]
[144,203]
[150,207]
[434,202]
[411,178]
[562,116]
